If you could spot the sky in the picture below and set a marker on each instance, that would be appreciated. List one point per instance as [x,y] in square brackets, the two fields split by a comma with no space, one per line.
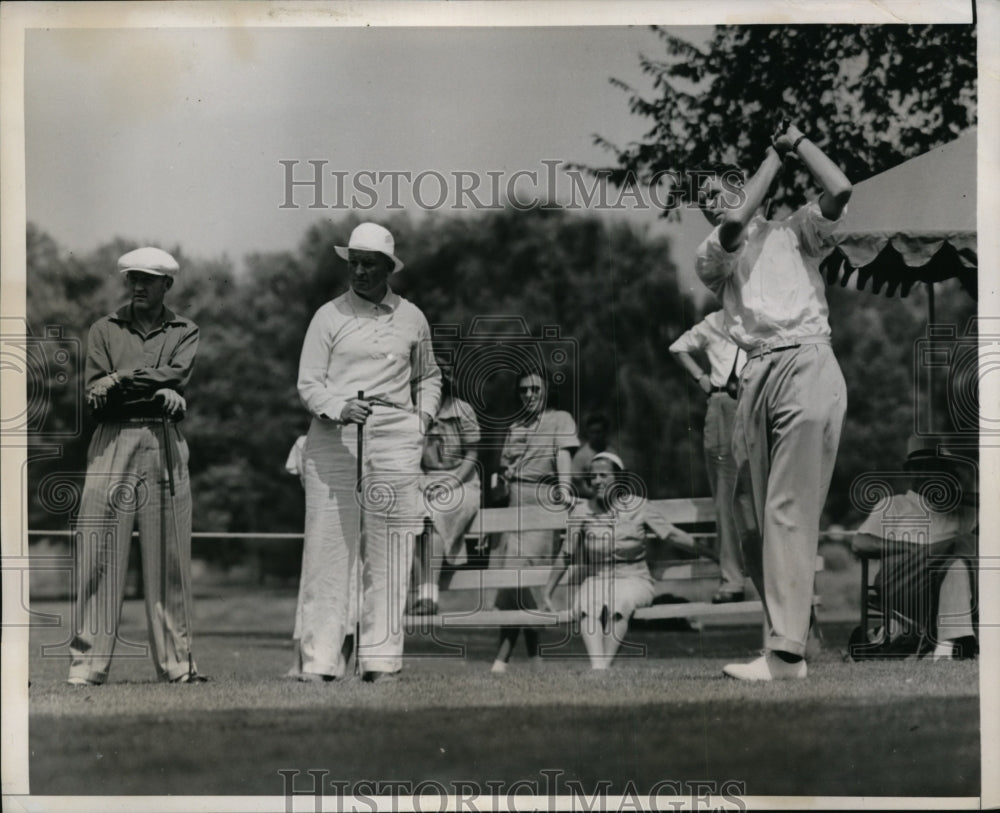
[175,136]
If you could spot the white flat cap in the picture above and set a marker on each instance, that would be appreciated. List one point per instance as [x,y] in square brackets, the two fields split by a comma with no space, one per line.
[149,260]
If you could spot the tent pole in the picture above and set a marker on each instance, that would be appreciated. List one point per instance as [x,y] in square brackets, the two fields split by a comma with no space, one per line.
[930,341]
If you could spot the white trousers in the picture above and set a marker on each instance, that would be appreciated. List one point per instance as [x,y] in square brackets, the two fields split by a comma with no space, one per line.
[788,420]
[346,546]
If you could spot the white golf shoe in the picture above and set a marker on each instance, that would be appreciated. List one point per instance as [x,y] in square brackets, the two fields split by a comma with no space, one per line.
[767,667]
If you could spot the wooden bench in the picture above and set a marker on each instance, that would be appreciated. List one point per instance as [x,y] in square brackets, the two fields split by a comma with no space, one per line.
[670,565]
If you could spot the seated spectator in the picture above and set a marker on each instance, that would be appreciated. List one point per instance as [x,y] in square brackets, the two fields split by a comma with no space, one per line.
[596,434]
[928,542]
[607,535]
[451,491]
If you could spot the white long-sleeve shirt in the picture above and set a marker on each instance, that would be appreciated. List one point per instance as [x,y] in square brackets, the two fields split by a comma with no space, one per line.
[771,287]
[710,336]
[383,349]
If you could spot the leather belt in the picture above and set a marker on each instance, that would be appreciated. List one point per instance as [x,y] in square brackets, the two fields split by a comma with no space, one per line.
[379,401]
[152,421]
[766,349]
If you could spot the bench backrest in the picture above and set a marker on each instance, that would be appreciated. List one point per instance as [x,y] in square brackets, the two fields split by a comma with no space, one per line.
[684,511]
[662,558]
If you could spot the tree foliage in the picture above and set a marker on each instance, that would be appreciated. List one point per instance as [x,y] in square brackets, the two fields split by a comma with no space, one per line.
[870,96]
[611,291]
[596,283]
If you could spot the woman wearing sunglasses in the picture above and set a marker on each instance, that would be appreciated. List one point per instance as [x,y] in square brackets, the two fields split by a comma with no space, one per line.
[535,462]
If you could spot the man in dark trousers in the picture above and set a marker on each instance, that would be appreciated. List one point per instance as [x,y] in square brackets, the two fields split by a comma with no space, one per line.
[139,360]
[792,394]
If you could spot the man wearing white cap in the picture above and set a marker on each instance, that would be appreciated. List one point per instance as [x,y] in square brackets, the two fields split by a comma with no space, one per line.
[368,340]
[139,360]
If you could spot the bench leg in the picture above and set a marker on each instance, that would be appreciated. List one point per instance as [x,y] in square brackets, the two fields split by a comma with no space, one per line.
[864,595]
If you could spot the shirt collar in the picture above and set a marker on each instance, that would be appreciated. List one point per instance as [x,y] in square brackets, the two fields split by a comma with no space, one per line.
[389,302]
[124,315]
[530,421]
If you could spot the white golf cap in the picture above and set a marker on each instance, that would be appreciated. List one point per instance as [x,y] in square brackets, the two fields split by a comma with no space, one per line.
[371,237]
[149,260]
[611,457]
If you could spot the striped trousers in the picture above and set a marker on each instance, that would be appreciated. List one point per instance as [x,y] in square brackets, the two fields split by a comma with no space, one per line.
[127,489]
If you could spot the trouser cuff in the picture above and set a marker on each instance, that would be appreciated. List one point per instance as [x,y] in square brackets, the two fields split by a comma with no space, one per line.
[180,670]
[786,645]
[381,664]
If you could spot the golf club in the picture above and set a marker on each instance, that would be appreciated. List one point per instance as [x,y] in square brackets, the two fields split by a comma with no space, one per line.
[169,459]
[357,555]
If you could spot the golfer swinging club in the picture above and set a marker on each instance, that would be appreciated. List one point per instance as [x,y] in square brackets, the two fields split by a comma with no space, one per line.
[139,360]
[792,395]
[368,340]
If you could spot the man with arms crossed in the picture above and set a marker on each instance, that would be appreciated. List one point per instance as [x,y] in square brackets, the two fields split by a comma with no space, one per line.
[139,360]
[792,393]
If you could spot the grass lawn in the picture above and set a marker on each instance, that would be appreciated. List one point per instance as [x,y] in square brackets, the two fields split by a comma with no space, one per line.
[876,729]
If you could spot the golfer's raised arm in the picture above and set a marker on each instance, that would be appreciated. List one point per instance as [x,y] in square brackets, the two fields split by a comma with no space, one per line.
[734,223]
[836,188]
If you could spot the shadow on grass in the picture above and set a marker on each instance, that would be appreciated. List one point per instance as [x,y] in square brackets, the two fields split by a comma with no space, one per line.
[873,729]
[811,748]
